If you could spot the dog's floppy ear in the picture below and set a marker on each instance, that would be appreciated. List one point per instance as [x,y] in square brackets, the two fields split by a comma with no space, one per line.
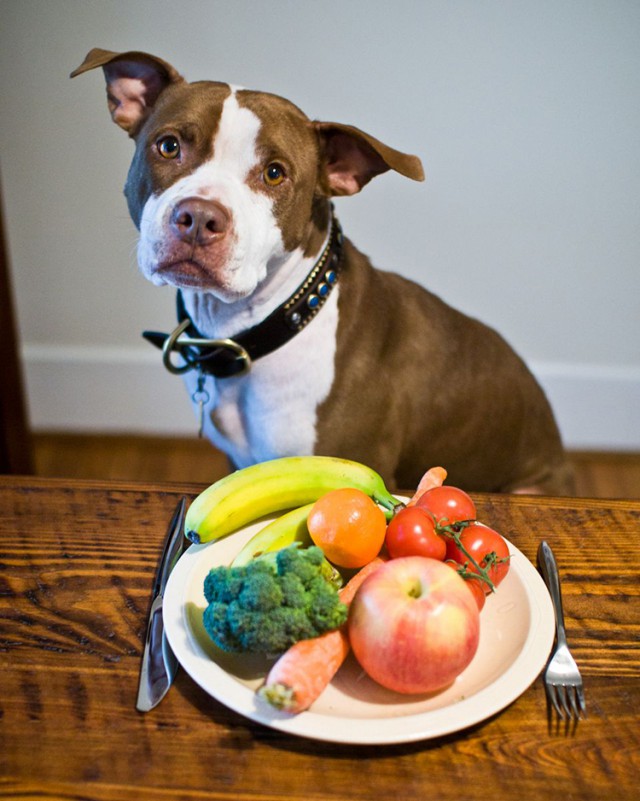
[353,158]
[134,83]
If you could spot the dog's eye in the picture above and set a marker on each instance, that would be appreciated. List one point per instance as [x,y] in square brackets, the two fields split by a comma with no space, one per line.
[168,147]
[273,174]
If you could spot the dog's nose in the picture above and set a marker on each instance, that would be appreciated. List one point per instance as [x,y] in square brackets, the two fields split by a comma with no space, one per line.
[199,221]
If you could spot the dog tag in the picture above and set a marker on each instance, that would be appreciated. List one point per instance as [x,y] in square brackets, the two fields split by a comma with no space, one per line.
[201,397]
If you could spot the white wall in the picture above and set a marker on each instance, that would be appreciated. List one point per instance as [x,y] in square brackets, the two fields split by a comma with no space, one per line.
[526,116]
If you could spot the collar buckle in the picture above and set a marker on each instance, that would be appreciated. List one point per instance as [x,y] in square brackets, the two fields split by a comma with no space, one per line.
[193,359]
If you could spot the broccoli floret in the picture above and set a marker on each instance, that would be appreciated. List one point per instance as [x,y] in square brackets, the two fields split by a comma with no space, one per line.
[268,604]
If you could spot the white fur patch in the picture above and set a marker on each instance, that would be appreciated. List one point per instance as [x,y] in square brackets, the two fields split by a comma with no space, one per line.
[271,411]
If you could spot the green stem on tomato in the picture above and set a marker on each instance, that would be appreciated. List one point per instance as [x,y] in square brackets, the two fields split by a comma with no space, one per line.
[453,532]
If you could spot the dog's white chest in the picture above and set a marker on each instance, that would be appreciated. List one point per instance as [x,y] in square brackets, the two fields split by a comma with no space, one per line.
[271,411]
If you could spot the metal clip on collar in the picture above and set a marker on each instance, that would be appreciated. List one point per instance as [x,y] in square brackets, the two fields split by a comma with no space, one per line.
[186,348]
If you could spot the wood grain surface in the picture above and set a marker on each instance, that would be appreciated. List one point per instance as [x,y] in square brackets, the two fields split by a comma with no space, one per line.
[77,561]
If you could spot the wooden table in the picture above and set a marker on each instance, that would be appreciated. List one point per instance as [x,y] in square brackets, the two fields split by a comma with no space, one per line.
[77,561]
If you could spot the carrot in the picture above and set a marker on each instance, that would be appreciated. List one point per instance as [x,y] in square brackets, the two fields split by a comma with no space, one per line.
[300,675]
[434,477]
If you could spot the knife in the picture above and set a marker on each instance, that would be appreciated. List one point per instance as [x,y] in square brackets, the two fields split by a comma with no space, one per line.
[159,664]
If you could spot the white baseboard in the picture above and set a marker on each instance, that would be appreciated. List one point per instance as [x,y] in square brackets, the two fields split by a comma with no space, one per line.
[597,407]
[128,390]
[105,389]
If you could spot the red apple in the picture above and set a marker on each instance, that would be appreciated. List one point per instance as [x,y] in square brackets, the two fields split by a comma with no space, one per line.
[414,625]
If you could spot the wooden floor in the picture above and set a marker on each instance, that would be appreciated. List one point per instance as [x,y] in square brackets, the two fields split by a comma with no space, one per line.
[157,459]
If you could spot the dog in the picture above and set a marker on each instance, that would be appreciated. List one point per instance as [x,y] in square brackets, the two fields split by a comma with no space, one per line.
[292,343]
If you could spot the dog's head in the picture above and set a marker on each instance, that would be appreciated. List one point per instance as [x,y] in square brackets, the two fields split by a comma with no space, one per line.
[226,183]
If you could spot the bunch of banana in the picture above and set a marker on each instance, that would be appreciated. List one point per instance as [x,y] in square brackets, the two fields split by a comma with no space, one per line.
[274,486]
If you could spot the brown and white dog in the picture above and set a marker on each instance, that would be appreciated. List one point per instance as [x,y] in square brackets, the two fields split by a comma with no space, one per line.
[231,191]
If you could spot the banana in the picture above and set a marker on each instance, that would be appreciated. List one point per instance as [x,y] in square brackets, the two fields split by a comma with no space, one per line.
[273,486]
[285,530]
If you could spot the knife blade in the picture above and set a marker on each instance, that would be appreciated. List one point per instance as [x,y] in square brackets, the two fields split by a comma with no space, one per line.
[159,664]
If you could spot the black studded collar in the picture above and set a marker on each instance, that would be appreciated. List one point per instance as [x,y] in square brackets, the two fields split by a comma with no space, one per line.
[224,358]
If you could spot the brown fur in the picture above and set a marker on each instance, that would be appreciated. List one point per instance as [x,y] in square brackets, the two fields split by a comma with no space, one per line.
[428,385]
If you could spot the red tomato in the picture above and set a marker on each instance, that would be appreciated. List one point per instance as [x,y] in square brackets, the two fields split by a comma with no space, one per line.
[475,585]
[448,504]
[412,532]
[481,542]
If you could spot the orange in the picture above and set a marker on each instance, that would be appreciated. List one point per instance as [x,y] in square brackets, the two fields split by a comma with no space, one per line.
[349,527]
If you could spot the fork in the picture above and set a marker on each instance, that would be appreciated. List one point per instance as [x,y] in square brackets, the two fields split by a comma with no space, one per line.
[562,679]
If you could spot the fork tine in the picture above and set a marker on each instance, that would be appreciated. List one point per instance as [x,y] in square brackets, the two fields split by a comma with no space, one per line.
[573,698]
[563,697]
[581,702]
[553,698]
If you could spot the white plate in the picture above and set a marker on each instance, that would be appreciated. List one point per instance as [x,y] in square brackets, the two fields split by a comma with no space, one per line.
[516,635]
